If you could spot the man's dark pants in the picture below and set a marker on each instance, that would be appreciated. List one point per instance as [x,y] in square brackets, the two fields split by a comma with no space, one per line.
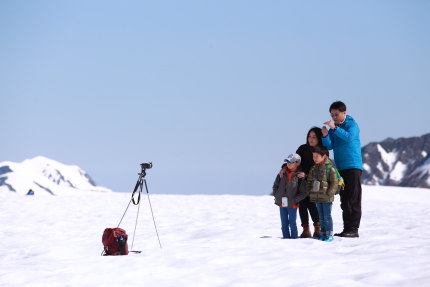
[350,199]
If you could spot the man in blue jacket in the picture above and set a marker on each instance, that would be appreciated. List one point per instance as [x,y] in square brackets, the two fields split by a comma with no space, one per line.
[344,139]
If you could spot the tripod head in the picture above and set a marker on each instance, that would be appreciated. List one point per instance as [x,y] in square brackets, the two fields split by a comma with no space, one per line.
[144,167]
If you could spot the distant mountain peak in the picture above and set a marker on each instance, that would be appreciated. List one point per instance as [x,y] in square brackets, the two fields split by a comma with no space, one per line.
[44,175]
[399,162]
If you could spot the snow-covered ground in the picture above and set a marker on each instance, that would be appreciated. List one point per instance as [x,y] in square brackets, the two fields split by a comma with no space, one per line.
[222,240]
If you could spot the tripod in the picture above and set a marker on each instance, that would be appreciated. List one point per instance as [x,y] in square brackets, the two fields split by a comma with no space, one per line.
[139,186]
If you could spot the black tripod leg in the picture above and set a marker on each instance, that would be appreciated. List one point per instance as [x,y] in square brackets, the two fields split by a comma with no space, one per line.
[153,218]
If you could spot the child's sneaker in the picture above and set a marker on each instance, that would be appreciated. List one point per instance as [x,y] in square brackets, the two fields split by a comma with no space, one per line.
[322,237]
[329,238]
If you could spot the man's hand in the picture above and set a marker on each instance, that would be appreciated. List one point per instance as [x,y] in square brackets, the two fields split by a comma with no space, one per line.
[330,124]
[301,174]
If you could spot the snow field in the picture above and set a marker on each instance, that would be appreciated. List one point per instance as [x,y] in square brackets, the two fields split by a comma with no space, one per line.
[209,240]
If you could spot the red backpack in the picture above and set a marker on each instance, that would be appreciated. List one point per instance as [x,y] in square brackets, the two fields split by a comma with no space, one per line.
[115,241]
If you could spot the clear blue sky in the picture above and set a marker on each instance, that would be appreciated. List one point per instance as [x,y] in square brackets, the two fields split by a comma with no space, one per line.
[214,93]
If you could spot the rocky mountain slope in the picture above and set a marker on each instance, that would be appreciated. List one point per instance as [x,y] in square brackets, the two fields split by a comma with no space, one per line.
[399,162]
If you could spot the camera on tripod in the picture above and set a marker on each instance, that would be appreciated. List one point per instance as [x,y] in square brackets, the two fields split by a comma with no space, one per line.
[138,188]
[146,165]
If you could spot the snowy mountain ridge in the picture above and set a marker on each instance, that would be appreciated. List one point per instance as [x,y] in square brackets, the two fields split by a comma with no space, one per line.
[398,162]
[44,176]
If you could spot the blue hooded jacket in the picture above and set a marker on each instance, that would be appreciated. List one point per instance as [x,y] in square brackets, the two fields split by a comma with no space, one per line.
[345,143]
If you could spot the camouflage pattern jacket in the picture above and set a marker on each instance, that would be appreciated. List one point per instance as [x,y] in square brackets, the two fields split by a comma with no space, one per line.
[325,190]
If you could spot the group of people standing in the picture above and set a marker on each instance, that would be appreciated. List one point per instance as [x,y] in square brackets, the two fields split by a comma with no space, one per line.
[308,179]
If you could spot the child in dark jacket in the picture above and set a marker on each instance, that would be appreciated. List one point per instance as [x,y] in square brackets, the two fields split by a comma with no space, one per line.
[322,184]
[289,188]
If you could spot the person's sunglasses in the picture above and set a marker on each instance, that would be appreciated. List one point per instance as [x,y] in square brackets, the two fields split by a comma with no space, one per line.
[335,114]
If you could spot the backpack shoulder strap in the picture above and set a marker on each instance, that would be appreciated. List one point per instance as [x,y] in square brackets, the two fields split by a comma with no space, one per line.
[329,166]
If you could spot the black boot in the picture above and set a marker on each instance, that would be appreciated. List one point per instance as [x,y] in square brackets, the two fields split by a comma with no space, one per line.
[350,234]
